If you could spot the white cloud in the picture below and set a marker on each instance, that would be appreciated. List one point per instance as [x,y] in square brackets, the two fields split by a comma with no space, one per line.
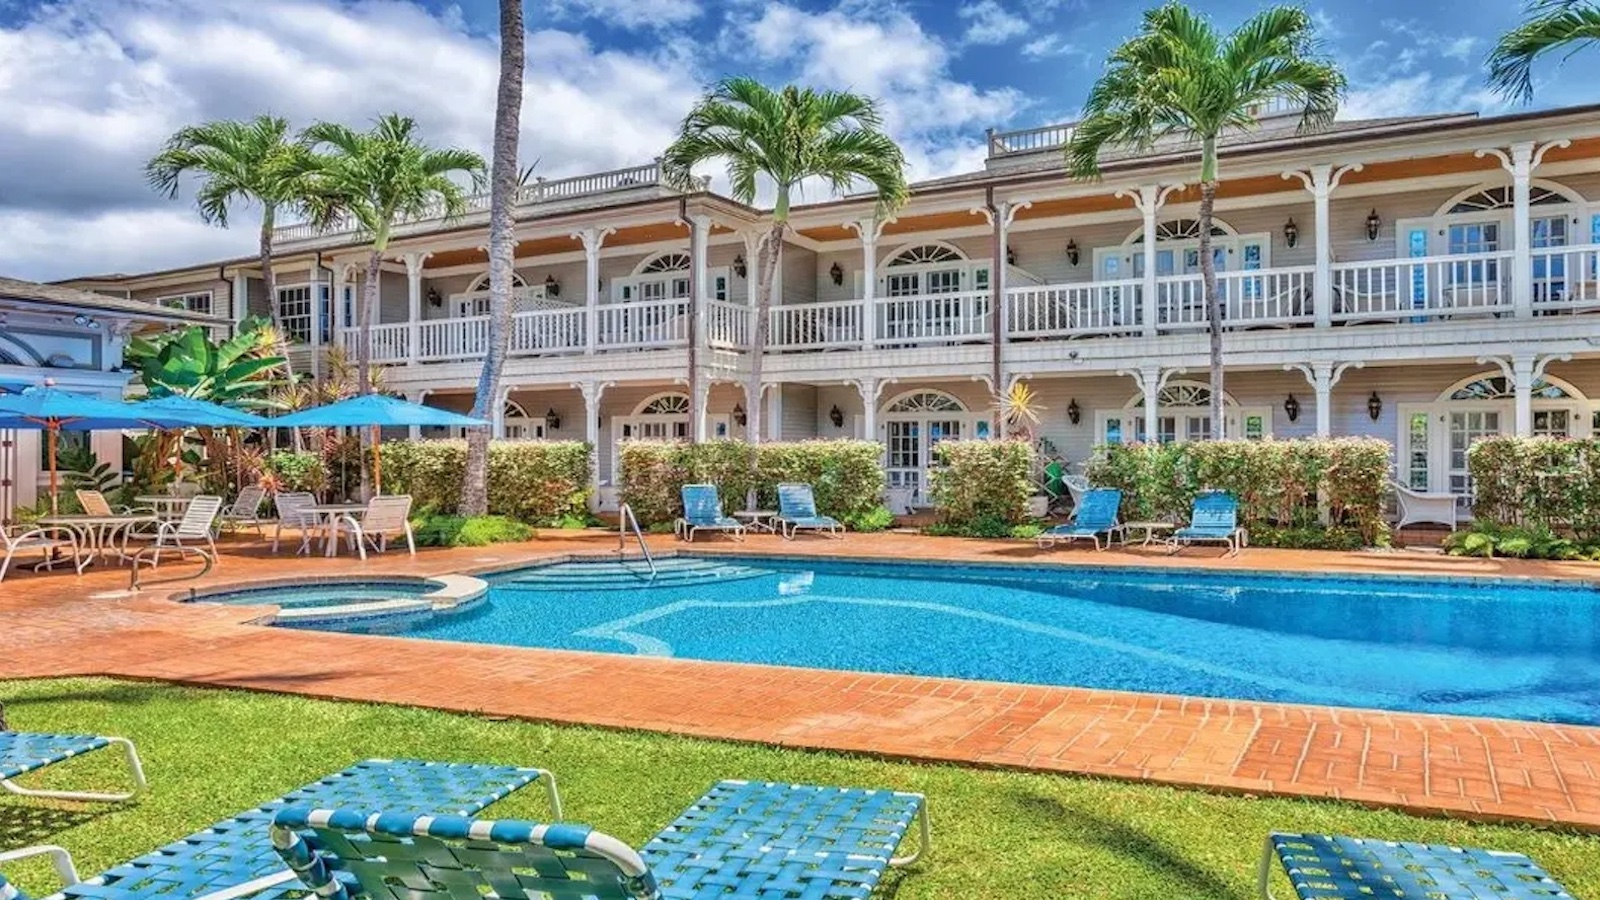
[1047,46]
[630,13]
[990,23]
[92,87]
[1419,94]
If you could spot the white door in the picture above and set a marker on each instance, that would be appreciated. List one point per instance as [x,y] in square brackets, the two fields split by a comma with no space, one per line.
[1463,427]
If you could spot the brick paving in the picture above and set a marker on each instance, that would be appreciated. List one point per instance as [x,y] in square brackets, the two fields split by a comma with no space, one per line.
[60,625]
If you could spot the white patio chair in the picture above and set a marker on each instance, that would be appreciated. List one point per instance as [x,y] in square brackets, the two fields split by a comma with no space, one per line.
[386,517]
[194,533]
[246,510]
[94,503]
[290,505]
[1422,506]
[1077,486]
[47,540]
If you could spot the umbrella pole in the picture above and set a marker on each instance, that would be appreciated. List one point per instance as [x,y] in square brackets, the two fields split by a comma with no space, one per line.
[377,463]
[50,439]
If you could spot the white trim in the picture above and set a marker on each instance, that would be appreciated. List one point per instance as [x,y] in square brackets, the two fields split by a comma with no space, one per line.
[184,298]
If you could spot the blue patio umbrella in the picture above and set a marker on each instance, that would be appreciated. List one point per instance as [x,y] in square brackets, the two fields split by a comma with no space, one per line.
[376,411]
[203,413]
[53,411]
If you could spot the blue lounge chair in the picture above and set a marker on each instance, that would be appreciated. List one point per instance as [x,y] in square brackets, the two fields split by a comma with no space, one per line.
[797,511]
[741,839]
[234,857]
[22,752]
[1215,520]
[1331,867]
[1095,516]
[702,511]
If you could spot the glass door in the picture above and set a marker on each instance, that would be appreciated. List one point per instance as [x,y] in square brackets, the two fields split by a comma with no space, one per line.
[1467,426]
[905,455]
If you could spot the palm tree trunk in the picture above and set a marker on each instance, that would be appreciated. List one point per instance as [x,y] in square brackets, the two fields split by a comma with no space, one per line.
[365,312]
[502,250]
[758,334]
[1208,277]
[269,280]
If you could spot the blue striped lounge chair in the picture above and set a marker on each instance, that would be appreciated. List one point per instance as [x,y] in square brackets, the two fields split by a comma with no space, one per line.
[235,858]
[1215,520]
[1333,867]
[742,839]
[797,511]
[702,511]
[1096,518]
[22,752]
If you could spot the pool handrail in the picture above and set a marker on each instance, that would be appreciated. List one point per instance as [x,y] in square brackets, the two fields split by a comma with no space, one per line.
[625,519]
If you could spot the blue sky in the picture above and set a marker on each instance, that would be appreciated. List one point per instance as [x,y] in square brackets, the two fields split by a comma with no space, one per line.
[92,87]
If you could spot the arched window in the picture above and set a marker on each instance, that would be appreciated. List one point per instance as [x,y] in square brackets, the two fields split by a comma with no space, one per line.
[481,283]
[666,262]
[1183,413]
[1496,387]
[926,254]
[665,405]
[1183,230]
[1502,198]
[914,424]
[925,401]
[1182,393]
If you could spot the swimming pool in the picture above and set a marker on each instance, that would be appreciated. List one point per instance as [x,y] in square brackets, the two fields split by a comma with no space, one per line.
[1486,647]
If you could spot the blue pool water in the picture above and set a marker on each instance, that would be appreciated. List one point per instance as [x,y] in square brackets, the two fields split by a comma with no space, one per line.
[312,595]
[1519,650]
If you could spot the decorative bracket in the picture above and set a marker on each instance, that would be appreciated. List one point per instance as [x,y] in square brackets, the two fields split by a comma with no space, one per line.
[874,226]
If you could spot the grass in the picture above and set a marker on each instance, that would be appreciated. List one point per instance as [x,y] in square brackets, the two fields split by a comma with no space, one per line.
[212,753]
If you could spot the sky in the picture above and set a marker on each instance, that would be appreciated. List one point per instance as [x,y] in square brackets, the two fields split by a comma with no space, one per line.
[91,88]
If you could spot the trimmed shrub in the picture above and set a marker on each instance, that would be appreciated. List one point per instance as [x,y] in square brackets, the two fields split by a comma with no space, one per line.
[538,482]
[983,485]
[1542,484]
[460,531]
[846,476]
[1278,485]
[290,471]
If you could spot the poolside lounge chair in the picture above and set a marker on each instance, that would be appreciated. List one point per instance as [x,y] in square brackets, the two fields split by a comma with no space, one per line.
[49,541]
[797,511]
[1419,506]
[246,509]
[194,533]
[235,858]
[387,516]
[741,839]
[94,503]
[22,752]
[1215,520]
[290,504]
[702,511]
[1332,866]
[1096,516]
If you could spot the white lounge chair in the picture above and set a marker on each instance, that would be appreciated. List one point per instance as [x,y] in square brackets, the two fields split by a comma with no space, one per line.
[1424,506]
[290,505]
[48,541]
[386,517]
[94,503]
[194,533]
[246,510]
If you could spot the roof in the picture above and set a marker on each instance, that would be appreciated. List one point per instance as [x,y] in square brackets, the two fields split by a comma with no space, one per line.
[72,298]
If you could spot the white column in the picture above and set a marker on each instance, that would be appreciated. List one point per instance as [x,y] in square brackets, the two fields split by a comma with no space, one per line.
[1323,376]
[415,431]
[1522,376]
[870,231]
[592,390]
[1320,181]
[592,239]
[1148,199]
[753,242]
[870,388]
[1520,163]
[1150,379]
[497,416]
[413,263]
[336,302]
[315,284]
[700,390]
[239,296]
[699,244]
[773,408]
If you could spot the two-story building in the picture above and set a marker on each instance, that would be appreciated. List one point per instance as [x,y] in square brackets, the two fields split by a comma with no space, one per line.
[1427,280]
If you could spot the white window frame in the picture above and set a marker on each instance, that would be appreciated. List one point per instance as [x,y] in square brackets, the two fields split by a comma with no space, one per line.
[187,301]
[314,290]
[1184,417]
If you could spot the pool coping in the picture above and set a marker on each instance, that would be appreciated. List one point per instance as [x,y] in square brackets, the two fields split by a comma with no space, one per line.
[454,593]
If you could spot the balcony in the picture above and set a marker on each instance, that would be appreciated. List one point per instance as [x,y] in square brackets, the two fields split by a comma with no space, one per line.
[540,192]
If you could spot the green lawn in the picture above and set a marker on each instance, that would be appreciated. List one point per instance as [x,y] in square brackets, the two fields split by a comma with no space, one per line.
[997,834]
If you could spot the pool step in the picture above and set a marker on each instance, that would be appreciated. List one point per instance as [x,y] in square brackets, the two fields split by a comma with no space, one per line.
[629,574]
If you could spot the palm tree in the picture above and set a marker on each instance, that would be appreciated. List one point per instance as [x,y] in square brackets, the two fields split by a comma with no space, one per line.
[377,179]
[503,183]
[240,162]
[1551,25]
[1179,76]
[787,136]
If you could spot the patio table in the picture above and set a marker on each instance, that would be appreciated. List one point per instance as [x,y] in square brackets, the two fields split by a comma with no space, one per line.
[1150,530]
[97,535]
[329,514]
[167,506]
[757,518]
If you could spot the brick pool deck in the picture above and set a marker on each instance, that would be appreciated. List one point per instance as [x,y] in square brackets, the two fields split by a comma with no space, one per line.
[64,625]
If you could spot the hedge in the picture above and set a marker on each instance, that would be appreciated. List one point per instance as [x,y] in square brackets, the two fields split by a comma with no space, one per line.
[847,476]
[1543,482]
[538,482]
[981,485]
[1278,483]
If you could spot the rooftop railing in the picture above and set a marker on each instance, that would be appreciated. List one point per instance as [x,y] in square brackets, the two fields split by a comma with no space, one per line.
[1029,140]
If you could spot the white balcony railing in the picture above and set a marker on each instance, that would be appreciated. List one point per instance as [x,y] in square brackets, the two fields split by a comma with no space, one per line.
[817,326]
[1566,278]
[548,331]
[728,325]
[933,318]
[1075,310]
[1249,299]
[1473,284]
[639,326]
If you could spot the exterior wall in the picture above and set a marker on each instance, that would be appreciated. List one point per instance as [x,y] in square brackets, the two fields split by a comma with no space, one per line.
[800,281]
[799,412]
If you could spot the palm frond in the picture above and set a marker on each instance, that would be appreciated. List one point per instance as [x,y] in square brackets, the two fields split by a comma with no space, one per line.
[1551,25]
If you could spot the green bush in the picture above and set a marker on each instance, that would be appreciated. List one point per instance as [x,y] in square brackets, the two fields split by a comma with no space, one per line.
[1550,483]
[290,471]
[539,482]
[1278,484]
[846,476]
[1490,539]
[458,531]
[983,486]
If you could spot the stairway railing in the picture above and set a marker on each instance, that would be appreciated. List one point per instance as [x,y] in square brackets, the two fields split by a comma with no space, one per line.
[627,519]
